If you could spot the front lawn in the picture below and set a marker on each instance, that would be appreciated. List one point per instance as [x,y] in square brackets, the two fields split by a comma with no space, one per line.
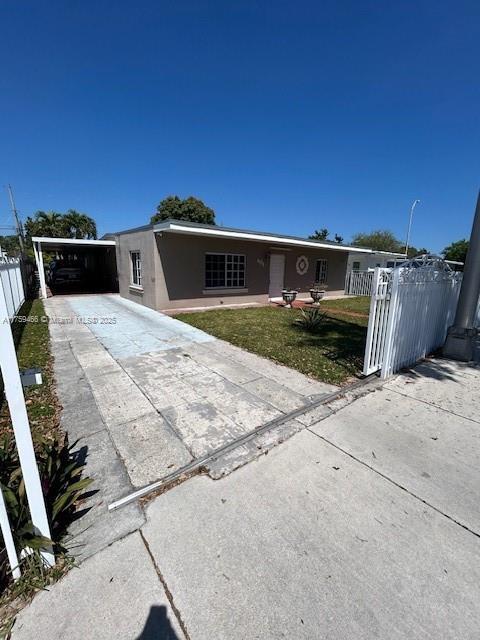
[334,354]
[358,305]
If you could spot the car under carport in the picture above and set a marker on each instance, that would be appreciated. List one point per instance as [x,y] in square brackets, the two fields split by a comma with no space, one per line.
[76,265]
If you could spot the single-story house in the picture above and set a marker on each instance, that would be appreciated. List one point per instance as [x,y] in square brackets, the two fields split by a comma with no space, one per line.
[176,264]
[366,261]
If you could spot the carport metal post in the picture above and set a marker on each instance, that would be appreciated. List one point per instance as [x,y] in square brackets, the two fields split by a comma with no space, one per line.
[21,429]
[37,248]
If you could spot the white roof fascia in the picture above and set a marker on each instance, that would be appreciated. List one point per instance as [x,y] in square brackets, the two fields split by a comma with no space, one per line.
[74,241]
[250,235]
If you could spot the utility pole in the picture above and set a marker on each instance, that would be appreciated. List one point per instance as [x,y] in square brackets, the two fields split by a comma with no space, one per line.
[415,202]
[462,336]
[17,219]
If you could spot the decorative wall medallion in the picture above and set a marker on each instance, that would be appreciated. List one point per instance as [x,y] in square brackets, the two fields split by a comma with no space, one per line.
[302,265]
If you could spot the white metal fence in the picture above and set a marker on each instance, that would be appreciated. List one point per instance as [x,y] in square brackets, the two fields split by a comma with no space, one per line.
[10,300]
[12,283]
[359,283]
[377,324]
[410,312]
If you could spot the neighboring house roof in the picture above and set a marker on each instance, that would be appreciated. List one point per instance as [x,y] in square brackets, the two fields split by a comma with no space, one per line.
[207,230]
[391,253]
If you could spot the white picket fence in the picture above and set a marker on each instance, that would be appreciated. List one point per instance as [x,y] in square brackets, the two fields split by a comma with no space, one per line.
[11,298]
[359,283]
[12,283]
[411,309]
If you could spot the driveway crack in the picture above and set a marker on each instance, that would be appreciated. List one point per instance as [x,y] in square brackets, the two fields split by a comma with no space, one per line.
[168,593]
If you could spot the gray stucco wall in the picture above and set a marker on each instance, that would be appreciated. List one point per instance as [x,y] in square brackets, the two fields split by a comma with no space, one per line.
[173,269]
[182,264]
[143,241]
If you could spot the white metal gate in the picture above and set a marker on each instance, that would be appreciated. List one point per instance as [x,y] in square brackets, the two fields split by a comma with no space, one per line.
[377,323]
[410,312]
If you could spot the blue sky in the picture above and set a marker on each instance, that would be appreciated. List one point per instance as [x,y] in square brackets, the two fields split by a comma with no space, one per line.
[282,116]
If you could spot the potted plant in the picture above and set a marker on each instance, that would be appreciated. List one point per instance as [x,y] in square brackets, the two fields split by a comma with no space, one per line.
[317,292]
[289,296]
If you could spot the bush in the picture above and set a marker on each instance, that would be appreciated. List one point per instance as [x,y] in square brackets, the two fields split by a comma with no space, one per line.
[311,319]
[60,474]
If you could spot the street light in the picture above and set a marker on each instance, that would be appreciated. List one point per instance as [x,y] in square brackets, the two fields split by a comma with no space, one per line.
[415,202]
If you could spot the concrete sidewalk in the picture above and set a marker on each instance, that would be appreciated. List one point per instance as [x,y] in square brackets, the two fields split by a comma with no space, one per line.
[364,525]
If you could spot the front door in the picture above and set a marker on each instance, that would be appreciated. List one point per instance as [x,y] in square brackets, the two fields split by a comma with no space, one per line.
[277,271]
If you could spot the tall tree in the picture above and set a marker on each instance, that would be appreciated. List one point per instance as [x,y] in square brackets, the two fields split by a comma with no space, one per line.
[321,234]
[190,209]
[338,239]
[379,240]
[456,251]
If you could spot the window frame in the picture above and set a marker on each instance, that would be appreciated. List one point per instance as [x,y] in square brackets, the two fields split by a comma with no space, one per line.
[225,286]
[318,271]
[136,271]
[354,267]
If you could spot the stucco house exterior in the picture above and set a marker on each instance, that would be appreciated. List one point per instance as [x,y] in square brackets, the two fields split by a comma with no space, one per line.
[180,265]
[364,262]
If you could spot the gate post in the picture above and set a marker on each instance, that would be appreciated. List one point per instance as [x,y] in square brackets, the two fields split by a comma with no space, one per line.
[392,316]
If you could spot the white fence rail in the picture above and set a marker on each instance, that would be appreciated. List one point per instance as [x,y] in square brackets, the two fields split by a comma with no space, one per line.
[23,438]
[359,283]
[410,312]
[12,283]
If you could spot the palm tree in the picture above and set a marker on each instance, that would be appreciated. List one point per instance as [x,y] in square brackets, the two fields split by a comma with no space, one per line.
[79,225]
[57,225]
[45,223]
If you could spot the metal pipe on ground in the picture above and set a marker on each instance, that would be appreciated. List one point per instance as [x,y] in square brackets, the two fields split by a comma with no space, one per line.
[196,465]
[462,335]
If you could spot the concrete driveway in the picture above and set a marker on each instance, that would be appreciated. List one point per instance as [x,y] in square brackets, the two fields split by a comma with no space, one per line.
[146,394]
[168,392]
[364,525]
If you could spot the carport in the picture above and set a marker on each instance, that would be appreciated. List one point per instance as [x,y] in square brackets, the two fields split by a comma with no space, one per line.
[96,259]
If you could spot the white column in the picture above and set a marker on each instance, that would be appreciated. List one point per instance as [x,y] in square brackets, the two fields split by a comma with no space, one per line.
[41,273]
[21,428]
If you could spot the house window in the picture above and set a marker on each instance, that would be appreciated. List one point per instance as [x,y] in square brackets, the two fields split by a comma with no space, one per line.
[356,266]
[321,271]
[224,270]
[136,272]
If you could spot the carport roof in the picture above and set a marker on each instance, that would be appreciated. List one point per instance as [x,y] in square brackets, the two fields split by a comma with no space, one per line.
[193,228]
[54,244]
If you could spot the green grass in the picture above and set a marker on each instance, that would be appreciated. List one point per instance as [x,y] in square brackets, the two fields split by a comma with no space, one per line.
[334,354]
[360,304]
[32,343]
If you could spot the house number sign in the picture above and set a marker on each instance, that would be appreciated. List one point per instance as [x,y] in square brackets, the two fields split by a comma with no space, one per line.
[302,265]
